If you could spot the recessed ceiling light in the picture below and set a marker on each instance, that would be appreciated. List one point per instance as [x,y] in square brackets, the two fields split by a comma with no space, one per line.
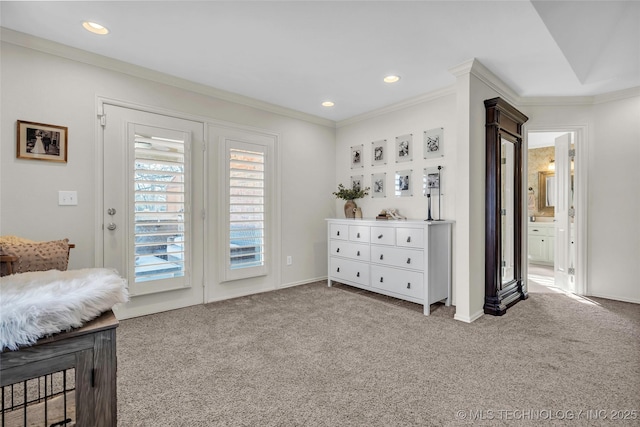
[328,104]
[391,79]
[95,28]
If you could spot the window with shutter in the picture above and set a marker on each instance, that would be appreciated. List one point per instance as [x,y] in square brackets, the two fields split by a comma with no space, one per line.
[160,227]
[246,210]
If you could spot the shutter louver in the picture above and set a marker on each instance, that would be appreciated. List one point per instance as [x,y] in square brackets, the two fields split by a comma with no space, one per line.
[246,208]
[159,200]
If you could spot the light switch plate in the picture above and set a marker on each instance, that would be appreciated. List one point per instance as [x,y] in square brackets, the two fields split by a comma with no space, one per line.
[67,198]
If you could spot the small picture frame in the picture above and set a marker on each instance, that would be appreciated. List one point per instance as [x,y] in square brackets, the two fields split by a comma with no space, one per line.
[357,182]
[39,141]
[378,185]
[356,157]
[404,186]
[379,152]
[431,180]
[404,148]
[433,143]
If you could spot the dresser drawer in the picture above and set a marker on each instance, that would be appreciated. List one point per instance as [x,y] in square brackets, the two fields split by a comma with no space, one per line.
[339,231]
[410,237]
[351,250]
[359,233]
[383,235]
[406,283]
[351,271]
[406,258]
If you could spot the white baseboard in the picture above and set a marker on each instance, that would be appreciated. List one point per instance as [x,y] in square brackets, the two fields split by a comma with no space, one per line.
[302,282]
[469,319]
[255,292]
[615,298]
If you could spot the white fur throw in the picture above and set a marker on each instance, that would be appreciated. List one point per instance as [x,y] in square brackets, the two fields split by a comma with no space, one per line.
[40,303]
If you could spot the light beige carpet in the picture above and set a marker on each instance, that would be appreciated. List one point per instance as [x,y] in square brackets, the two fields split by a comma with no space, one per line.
[318,356]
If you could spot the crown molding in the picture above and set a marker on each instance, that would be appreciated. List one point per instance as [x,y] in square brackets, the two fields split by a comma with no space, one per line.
[407,103]
[556,101]
[617,95]
[89,58]
[484,74]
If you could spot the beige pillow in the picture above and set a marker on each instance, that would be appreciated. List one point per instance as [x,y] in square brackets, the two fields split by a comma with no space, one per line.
[38,256]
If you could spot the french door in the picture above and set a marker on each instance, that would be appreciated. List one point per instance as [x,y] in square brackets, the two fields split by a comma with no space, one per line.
[153,232]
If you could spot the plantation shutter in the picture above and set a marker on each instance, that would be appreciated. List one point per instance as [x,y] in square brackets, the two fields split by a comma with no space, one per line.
[160,224]
[246,210]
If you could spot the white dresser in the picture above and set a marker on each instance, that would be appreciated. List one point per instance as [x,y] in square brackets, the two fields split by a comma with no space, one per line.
[407,259]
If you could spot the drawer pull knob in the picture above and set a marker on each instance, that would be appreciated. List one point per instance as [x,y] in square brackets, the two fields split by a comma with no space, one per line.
[358,274]
[380,236]
[338,270]
[358,236]
[381,279]
[381,256]
[408,239]
[536,230]
[358,254]
[338,250]
[338,233]
[408,285]
[408,260]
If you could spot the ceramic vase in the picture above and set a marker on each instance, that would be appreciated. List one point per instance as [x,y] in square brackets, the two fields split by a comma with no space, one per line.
[349,209]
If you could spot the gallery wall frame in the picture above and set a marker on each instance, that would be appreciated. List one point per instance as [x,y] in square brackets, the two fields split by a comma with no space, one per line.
[404,148]
[357,182]
[433,143]
[403,184]
[432,180]
[40,141]
[379,185]
[379,152]
[357,156]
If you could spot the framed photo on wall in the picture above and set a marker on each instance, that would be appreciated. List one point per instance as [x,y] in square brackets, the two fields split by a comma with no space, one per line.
[356,157]
[356,182]
[404,187]
[431,180]
[404,148]
[379,184]
[379,150]
[39,141]
[433,143]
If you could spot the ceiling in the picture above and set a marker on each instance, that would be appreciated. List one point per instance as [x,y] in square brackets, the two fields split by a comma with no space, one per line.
[296,54]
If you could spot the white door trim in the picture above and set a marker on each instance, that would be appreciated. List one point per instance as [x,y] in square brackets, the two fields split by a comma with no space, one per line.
[101,101]
[580,197]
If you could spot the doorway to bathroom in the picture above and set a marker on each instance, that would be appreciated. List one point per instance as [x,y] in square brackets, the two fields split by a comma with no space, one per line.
[552,237]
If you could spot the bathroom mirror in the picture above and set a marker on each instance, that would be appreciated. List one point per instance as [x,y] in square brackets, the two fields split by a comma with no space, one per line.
[546,192]
[503,207]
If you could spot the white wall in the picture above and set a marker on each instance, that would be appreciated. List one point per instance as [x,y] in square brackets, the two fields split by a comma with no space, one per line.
[415,119]
[50,89]
[613,144]
[433,112]
[470,203]
[614,203]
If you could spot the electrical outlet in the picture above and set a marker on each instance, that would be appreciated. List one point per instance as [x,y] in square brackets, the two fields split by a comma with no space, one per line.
[289,260]
[67,198]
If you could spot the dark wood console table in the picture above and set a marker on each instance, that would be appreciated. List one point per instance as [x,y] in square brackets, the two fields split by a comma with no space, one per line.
[87,354]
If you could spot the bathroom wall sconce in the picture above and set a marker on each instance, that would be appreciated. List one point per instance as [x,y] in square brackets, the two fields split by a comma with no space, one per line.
[552,165]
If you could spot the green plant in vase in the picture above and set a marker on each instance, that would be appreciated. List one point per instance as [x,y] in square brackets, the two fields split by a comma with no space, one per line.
[350,194]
